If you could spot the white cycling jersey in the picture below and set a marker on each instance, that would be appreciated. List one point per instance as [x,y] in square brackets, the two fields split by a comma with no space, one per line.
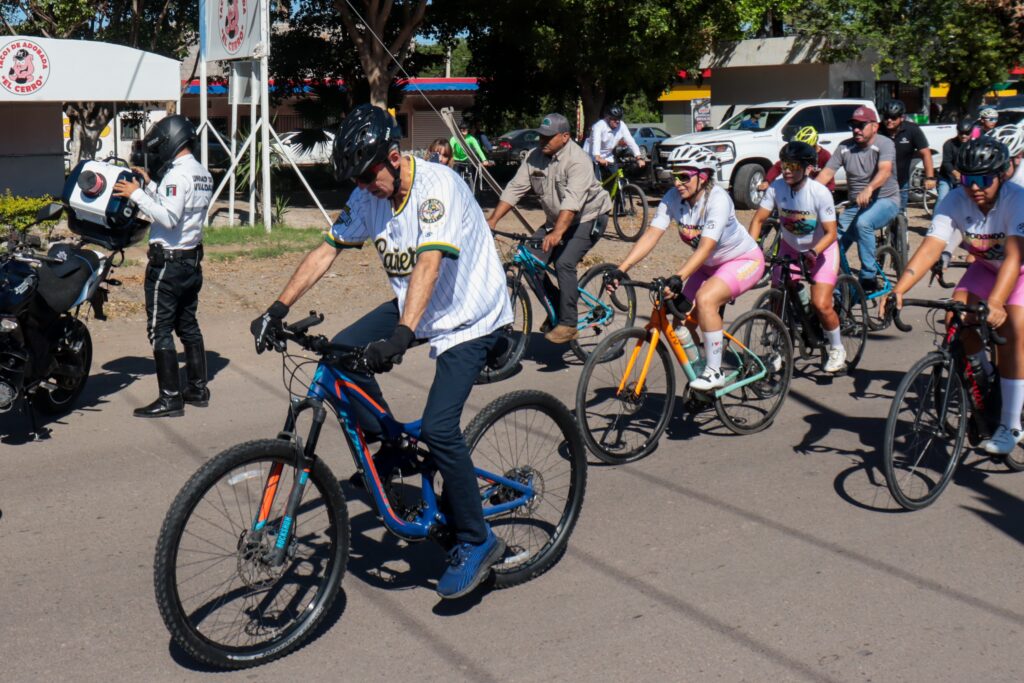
[470,299]
[801,213]
[984,236]
[713,218]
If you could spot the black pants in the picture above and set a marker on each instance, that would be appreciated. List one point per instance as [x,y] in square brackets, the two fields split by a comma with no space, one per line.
[566,256]
[456,370]
[172,298]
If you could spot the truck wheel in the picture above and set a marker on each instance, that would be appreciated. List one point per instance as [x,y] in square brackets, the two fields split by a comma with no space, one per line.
[744,188]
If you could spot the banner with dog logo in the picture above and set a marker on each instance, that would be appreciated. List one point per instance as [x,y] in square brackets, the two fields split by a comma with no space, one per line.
[229,29]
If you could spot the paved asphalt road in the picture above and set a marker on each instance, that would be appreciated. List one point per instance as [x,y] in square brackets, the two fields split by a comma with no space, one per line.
[772,557]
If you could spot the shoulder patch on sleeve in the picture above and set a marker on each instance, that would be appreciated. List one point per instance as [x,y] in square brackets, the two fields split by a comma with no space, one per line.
[431,211]
[171,190]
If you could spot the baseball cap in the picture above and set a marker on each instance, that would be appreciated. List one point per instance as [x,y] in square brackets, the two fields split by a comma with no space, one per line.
[864,115]
[553,124]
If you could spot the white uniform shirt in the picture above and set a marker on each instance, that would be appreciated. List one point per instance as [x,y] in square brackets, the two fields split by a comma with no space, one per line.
[801,213]
[470,299]
[178,204]
[1018,175]
[603,140]
[984,236]
[713,217]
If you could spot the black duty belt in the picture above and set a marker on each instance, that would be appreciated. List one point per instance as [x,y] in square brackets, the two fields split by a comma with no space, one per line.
[160,254]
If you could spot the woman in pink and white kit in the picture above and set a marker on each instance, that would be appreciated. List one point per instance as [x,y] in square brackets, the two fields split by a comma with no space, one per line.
[726,261]
[989,211]
[807,215]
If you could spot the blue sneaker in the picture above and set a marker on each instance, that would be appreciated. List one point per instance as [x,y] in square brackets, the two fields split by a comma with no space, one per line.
[468,565]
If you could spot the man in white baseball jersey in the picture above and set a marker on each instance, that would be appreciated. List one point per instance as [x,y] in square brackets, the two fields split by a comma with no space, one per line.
[450,290]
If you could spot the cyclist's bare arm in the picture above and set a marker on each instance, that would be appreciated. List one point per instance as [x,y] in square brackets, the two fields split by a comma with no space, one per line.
[757,221]
[309,272]
[920,263]
[510,196]
[831,229]
[421,287]
[825,176]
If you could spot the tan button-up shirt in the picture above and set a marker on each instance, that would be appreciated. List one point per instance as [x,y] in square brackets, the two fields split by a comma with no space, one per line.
[563,182]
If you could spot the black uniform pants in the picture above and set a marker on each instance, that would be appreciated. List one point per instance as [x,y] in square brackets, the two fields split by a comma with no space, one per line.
[173,281]
[576,242]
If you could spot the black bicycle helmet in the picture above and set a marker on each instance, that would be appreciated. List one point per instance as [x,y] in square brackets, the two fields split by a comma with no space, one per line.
[964,126]
[614,112]
[893,109]
[982,156]
[364,139]
[799,152]
[162,143]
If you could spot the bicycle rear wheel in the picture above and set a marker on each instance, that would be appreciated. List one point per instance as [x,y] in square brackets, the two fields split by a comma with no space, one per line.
[629,212]
[518,334]
[220,597]
[900,237]
[850,306]
[924,434]
[532,438]
[622,426]
[752,407]
[600,312]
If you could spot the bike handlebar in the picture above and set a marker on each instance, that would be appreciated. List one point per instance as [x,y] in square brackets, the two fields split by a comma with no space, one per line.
[528,240]
[350,356]
[657,287]
[951,306]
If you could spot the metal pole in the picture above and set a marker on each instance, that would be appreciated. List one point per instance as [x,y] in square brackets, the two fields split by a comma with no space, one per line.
[254,101]
[233,91]
[204,137]
[265,98]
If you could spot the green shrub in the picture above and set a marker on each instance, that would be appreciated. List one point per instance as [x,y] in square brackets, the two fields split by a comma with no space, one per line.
[17,213]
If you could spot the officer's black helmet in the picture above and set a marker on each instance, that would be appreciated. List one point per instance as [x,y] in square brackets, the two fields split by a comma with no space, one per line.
[162,143]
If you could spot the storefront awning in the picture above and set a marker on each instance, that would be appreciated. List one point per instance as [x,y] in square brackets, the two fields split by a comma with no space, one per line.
[684,93]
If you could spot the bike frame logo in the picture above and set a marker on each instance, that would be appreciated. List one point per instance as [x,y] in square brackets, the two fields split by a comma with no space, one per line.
[231,17]
[24,67]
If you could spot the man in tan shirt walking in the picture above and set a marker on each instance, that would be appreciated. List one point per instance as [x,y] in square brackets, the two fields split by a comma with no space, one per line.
[561,174]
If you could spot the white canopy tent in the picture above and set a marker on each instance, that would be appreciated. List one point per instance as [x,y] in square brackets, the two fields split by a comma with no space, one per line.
[37,75]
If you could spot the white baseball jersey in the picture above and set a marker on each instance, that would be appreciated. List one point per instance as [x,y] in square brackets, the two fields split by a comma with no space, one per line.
[603,139]
[801,213]
[713,217]
[984,236]
[178,204]
[470,298]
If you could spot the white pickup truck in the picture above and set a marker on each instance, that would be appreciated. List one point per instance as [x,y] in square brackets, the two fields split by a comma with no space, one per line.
[746,154]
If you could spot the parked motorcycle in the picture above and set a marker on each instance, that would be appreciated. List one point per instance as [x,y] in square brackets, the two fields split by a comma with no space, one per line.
[45,348]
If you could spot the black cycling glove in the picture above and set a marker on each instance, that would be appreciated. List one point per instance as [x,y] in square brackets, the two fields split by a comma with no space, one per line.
[381,356]
[264,327]
[674,284]
[612,278]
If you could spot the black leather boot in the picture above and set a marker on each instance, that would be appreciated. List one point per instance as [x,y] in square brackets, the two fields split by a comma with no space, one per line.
[196,393]
[170,403]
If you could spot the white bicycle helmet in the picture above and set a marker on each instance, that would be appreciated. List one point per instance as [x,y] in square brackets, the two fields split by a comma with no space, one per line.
[1011,136]
[694,156]
[988,113]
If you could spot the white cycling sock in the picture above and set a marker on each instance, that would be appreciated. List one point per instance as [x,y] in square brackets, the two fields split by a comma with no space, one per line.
[713,349]
[835,339]
[980,359]
[1013,401]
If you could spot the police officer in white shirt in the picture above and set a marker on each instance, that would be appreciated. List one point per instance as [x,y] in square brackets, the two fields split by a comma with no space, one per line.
[605,135]
[450,289]
[177,195]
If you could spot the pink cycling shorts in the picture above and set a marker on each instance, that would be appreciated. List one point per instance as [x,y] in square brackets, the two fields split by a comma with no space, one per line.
[826,268]
[740,274]
[979,280]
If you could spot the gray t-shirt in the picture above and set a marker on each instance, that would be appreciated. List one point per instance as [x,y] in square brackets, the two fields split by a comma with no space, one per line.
[861,163]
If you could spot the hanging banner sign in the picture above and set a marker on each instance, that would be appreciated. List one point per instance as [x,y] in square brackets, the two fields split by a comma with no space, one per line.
[229,29]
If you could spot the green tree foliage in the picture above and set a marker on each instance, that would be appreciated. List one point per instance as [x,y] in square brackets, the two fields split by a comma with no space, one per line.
[964,43]
[434,66]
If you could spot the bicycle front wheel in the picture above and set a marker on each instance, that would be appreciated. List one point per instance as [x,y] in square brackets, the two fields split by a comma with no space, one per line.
[851,306]
[601,312]
[223,598]
[622,425]
[769,243]
[758,344]
[629,212]
[900,237]
[518,335]
[530,437]
[924,435]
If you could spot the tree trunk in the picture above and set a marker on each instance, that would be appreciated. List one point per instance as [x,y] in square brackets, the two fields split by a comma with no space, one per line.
[963,101]
[593,100]
[88,119]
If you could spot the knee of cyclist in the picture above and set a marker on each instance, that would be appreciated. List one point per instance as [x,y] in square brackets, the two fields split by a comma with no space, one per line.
[822,303]
[439,433]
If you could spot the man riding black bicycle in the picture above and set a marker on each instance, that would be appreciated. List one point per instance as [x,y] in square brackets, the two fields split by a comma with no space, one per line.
[576,206]
[605,136]
[450,290]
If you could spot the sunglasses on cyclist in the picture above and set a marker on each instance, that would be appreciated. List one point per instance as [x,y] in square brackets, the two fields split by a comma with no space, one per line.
[369,175]
[792,166]
[685,175]
[859,125]
[982,181]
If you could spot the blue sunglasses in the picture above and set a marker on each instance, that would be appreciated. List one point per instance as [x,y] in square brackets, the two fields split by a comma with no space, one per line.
[982,181]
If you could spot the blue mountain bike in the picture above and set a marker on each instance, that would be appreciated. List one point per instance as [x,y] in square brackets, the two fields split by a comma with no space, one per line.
[253,549]
[599,313]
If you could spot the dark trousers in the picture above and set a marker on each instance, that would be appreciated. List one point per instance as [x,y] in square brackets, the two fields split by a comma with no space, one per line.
[566,256]
[172,299]
[454,375]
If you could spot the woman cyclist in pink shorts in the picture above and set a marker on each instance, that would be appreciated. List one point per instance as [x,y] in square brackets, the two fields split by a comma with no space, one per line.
[726,261]
[807,215]
[989,211]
